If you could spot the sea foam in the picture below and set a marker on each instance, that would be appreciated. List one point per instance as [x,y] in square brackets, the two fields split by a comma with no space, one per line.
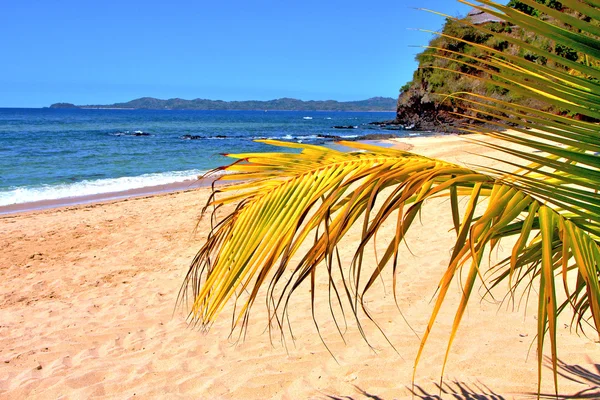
[92,187]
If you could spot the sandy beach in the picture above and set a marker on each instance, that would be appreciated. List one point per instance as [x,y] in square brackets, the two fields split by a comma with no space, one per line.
[87,309]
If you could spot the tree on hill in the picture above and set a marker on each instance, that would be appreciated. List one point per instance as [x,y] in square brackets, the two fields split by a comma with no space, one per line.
[529,10]
[462,47]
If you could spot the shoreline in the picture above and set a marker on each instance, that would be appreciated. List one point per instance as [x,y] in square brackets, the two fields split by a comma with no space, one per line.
[42,205]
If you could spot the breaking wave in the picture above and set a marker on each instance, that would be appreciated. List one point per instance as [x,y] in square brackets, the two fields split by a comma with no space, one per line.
[92,187]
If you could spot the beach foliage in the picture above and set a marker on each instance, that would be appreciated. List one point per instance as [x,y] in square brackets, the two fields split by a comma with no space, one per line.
[420,101]
[548,202]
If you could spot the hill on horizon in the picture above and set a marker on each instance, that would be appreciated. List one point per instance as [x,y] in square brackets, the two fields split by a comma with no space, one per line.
[283,104]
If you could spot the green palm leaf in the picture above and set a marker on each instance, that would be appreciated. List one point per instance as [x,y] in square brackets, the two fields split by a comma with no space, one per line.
[549,202]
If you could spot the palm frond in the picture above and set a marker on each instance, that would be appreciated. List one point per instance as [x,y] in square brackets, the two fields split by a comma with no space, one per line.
[293,209]
[318,187]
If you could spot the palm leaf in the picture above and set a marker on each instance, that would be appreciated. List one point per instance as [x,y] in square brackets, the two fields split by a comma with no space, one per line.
[274,220]
[549,202]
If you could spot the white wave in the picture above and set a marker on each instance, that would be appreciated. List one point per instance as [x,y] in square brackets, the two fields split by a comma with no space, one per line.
[292,137]
[306,117]
[285,137]
[92,187]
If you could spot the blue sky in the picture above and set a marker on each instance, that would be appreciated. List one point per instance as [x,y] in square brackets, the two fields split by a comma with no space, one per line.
[103,52]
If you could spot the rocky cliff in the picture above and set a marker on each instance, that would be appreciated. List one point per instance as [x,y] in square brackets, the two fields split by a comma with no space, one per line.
[423,105]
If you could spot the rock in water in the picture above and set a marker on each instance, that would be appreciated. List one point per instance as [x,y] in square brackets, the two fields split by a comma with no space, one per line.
[345,127]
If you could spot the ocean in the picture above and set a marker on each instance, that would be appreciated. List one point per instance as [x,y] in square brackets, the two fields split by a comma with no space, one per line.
[48,154]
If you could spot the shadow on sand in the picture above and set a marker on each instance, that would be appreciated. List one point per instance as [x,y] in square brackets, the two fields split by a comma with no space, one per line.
[579,374]
[363,395]
[478,391]
[454,390]
[458,391]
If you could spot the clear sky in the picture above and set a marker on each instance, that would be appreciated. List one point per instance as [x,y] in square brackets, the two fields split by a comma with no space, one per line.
[100,52]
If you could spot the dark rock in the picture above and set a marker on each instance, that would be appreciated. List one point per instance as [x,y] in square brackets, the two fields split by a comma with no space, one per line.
[378,136]
[345,127]
[417,112]
[370,136]
[140,133]
[384,123]
[392,125]
[192,137]
[330,137]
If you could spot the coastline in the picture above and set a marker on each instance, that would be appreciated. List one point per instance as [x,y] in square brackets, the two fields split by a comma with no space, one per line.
[218,109]
[87,297]
[103,197]
[173,187]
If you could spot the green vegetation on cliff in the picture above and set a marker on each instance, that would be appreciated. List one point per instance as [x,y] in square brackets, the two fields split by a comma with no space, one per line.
[450,62]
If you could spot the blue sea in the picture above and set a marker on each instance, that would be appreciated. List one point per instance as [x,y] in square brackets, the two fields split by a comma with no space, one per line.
[48,154]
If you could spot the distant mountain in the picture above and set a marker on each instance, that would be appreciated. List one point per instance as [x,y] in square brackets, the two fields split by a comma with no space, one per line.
[150,103]
[63,105]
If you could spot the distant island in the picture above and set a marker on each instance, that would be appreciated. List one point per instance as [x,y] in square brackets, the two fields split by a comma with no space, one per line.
[284,104]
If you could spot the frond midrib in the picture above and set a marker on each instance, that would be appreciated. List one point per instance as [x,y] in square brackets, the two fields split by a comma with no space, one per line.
[283,180]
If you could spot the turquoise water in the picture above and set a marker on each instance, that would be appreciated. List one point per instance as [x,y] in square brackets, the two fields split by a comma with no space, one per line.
[56,153]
